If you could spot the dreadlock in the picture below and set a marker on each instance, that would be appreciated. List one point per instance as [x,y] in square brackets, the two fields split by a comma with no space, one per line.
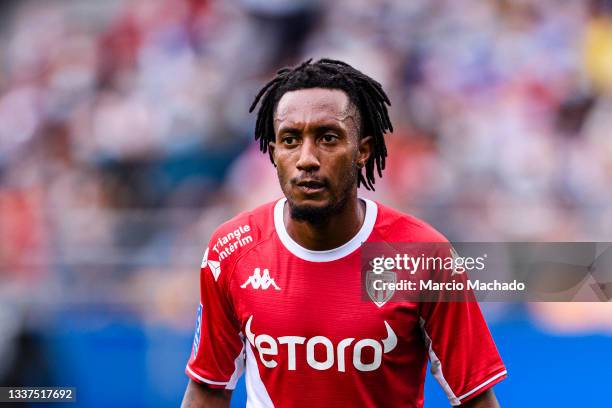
[364,92]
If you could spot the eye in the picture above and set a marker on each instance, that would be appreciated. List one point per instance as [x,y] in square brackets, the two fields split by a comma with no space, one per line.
[289,140]
[329,138]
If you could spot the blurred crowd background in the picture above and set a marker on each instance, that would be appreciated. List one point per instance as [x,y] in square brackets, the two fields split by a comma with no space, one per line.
[125,139]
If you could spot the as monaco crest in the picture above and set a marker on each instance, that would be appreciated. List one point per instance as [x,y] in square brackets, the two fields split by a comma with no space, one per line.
[380,296]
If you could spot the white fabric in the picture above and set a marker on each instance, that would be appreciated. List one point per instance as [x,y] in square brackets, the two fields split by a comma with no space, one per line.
[332,254]
[257,395]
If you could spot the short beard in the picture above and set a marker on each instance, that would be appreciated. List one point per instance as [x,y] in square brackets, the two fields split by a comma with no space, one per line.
[320,215]
[317,215]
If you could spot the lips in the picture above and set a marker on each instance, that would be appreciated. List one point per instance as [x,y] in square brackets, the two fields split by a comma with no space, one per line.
[310,186]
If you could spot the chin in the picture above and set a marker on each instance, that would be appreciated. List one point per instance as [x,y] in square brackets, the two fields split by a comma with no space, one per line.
[318,202]
[312,211]
[297,198]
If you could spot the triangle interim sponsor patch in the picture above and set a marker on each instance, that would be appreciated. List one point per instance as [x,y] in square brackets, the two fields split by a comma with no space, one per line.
[205,259]
[215,268]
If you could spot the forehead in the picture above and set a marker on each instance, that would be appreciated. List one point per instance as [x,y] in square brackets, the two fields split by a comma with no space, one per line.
[313,105]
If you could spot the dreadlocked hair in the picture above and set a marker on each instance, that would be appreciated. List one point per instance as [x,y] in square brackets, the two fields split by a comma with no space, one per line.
[364,92]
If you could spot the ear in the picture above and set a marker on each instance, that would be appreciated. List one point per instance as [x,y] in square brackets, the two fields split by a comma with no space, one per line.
[365,151]
[271,150]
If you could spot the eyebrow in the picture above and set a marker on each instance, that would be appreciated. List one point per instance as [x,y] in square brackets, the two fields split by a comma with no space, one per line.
[325,128]
[319,129]
[288,129]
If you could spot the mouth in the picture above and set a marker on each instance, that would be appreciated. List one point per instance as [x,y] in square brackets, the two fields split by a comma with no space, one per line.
[310,186]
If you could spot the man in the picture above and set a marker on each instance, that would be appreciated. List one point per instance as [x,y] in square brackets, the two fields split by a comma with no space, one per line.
[280,285]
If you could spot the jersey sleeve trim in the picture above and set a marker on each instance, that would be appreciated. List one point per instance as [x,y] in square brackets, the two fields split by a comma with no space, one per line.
[497,376]
[436,370]
[198,377]
[231,383]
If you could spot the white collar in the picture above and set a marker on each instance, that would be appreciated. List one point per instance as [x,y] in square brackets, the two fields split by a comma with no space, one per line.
[330,254]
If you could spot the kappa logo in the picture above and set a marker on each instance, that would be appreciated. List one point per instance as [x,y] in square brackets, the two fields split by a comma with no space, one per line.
[214,266]
[259,281]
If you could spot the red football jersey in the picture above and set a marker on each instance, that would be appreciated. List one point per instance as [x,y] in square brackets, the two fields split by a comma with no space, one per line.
[296,321]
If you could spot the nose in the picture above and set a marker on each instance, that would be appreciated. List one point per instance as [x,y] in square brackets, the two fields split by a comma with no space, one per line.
[308,160]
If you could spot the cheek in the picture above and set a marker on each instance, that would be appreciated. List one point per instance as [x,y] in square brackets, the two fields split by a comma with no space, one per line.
[344,165]
[283,168]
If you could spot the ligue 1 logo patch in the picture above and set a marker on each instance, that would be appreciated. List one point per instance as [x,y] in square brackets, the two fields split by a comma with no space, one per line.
[198,330]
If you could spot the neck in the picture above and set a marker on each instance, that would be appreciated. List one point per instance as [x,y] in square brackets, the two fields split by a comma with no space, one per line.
[338,230]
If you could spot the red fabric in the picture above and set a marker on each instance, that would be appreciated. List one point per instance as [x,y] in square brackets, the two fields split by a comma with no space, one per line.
[318,339]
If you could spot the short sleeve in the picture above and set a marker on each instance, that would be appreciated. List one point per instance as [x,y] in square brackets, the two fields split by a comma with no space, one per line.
[217,356]
[463,356]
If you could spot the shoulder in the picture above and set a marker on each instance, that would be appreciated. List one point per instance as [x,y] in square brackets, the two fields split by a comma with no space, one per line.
[395,226]
[237,236]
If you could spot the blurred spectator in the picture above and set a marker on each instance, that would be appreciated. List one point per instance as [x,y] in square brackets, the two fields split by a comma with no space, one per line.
[125,137]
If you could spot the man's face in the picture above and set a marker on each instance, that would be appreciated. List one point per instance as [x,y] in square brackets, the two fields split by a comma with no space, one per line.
[317,151]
